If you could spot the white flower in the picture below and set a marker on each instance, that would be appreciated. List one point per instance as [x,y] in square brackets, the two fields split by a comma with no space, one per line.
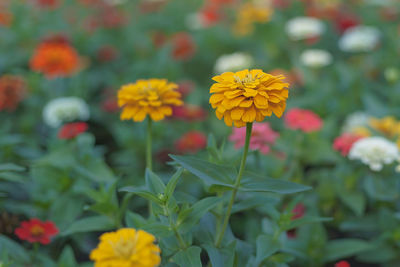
[375,152]
[65,109]
[359,39]
[301,28]
[233,62]
[316,58]
[355,121]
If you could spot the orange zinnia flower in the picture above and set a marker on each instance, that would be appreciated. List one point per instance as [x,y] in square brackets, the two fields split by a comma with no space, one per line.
[55,58]
[12,91]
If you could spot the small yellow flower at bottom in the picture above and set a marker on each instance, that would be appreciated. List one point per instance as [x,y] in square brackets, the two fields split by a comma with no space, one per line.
[126,247]
[153,97]
[247,96]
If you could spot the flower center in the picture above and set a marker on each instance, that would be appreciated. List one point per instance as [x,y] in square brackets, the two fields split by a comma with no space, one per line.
[124,248]
[37,230]
[247,79]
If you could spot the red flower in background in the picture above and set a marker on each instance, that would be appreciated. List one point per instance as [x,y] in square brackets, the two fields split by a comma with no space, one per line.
[6,17]
[185,88]
[12,91]
[189,113]
[342,264]
[35,230]
[151,6]
[302,119]
[344,142]
[51,4]
[107,53]
[345,21]
[55,57]
[191,142]
[210,15]
[183,46]
[281,4]
[72,130]
[110,102]
[159,39]
[298,212]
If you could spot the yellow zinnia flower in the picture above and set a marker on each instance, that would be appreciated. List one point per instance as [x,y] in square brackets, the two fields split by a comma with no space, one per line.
[389,126]
[248,96]
[153,97]
[126,247]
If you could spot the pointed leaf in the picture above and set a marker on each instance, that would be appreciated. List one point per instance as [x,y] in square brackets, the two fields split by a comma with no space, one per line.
[188,257]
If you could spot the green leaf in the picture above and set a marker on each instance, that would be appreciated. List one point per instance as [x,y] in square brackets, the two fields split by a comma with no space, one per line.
[252,202]
[343,248]
[134,220]
[210,173]
[154,183]
[381,189]
[12,177]
[221,256]
[143,192]
[254,183]
[170,188]
[356,201]
[89,224]
[13,249]
[305,220]
[67,258]
[266,246]
[11,167]
[189,217]
[188,257]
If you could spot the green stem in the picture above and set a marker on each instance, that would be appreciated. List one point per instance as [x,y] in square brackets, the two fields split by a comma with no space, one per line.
[236,186]
[148,145]
[35,252]
[178,236]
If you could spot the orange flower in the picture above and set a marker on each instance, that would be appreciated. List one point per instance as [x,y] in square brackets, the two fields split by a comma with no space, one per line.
[12,90]
[6,18]
[55,58]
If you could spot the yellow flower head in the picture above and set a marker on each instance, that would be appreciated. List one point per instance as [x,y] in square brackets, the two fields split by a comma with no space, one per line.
[153,97]
[389,126]
[126,247]
[248,96]
[250,13]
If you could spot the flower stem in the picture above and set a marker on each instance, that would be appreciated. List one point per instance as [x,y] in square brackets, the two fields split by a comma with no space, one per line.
[148,145]
[172,225]
[236,186]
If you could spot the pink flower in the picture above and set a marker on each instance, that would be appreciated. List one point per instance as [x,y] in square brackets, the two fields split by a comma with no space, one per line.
[191,142]
[303,119]
[344,142]
[261,138]
[298,212]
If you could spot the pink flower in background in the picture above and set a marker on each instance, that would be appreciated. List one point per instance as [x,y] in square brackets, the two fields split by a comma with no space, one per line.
[303,119]
[189,113]
[262,137]
[298,212]
[344,142]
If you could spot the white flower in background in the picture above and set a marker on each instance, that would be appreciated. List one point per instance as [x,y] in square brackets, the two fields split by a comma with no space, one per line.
[301,28]
[375,152]
[233,62]
[356,121]
[316,58]
[65,109]
[359,39]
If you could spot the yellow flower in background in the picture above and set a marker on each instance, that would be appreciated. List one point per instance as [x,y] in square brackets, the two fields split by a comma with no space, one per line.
[248,96]
[126,247]
[250,13]
[361,131]
[388,126]
[153,97]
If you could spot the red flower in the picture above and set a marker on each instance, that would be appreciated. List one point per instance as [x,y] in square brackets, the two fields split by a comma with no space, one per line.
[159,39]
[47,3]
[210,15]
[189,113]
[185,88]
[71,130]
[191,142]
[302,119]
[183,46]
[345,21]
[35,230]
[107,53]
[298,212]
[344,142]
[342,264]
[12,91]
[6,18]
